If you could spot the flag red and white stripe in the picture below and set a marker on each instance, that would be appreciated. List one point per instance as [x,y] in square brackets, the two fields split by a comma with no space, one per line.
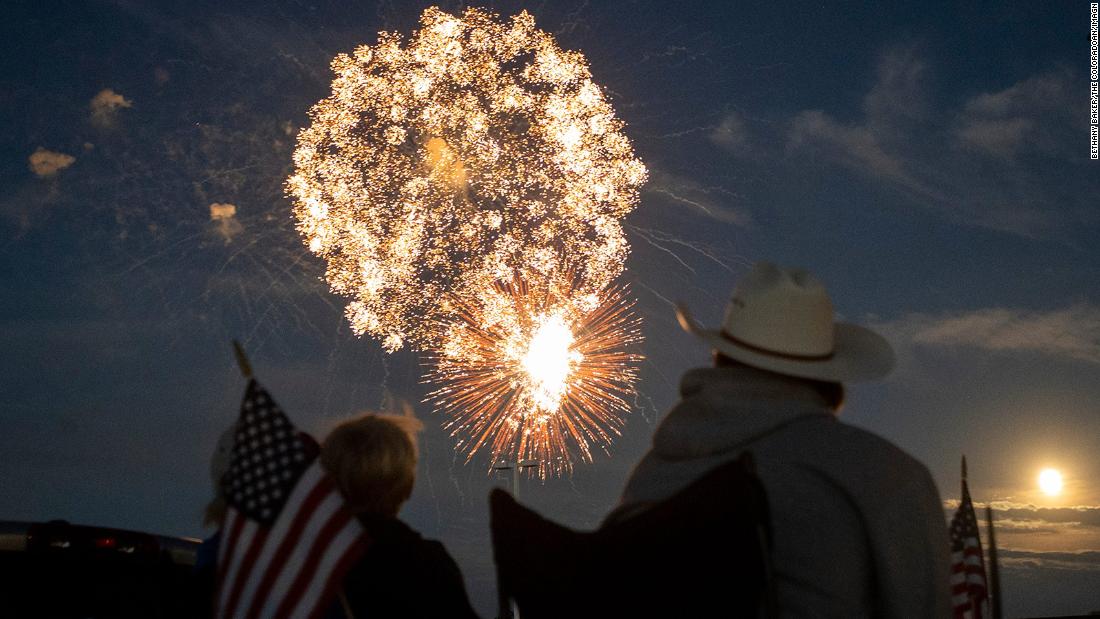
[288,540]
[969,592]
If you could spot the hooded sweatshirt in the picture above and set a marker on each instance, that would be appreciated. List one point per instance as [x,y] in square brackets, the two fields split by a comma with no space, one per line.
[858,525]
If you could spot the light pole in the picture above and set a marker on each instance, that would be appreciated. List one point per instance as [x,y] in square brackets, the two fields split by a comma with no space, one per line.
[515,467]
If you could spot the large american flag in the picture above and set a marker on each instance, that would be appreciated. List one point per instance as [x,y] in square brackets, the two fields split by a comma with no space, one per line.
[287,541]
[969,594]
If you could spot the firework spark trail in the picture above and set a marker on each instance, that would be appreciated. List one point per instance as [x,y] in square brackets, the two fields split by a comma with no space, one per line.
[648,238]
[654,237]
[252,283]
[466,188]
[709,211]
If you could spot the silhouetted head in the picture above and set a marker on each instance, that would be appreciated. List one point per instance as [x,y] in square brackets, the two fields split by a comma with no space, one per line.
[372,459]
[832,392]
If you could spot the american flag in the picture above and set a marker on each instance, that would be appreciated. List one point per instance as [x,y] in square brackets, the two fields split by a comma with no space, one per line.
[287,541]
[969,594]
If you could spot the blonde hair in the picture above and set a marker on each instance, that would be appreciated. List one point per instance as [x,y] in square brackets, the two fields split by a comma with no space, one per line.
[372,459]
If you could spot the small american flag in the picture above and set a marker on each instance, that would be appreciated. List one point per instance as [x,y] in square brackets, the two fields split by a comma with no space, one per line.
[287,541]
[969,594]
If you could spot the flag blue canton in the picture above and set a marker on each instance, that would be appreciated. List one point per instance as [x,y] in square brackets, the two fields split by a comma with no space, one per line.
[268,458]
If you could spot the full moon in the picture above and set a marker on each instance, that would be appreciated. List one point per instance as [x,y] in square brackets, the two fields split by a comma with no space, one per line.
[1050,482]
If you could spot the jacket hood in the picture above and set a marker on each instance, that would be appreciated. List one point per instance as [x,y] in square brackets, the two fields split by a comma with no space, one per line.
[724,407]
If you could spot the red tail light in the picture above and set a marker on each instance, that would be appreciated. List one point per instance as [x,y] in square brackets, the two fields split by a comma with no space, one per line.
[106,543]
[56,536]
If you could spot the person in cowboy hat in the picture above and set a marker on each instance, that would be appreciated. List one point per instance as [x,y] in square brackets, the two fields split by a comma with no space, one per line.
[858,524]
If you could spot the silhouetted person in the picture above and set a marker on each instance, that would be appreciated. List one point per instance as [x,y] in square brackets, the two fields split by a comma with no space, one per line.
[699,553]
[206,560]
[372,459]
[858,524]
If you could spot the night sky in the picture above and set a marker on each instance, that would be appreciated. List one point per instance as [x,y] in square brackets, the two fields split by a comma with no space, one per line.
[928,163]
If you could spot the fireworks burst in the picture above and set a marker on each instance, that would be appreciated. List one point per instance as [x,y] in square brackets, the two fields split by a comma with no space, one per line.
[466,188]
[529,376]
[476,150]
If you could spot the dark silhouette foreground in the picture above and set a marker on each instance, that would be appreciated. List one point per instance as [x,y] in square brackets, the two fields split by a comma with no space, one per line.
[700,552]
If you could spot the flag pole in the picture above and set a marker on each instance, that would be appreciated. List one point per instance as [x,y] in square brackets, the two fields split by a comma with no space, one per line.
[964,489]
[242,360]
[964,497]
[994,567]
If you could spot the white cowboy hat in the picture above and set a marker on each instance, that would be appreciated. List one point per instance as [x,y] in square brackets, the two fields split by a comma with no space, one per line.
[781,320]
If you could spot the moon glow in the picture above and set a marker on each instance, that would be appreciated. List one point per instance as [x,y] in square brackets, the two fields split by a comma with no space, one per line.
[1050,482]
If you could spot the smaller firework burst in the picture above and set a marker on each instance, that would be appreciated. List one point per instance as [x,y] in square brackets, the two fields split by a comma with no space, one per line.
[535,371]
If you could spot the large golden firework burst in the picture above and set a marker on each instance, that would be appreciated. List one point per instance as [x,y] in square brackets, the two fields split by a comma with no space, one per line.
[442,164]
[466,187]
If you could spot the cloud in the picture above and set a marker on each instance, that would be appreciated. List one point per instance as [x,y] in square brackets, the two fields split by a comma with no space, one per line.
[1001,137]
[45,163]
[1028,527]
[223,217]
[856,147]
[1081,515]
[1028,517]
[898,95]
[1007,160]
[874,146]
[1088,560]
[731,134]
[1030,116]
[1072,332]
[105,106]
[222,212]
[1039,538]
